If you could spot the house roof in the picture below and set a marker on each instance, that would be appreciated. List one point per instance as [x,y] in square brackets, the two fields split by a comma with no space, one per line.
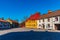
[14,21]
[2,20]
[51,14]
[34,16]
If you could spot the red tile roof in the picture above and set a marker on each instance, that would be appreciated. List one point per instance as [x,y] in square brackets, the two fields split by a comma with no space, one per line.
[2,20]
[14,21]
[35,16]
[51,14]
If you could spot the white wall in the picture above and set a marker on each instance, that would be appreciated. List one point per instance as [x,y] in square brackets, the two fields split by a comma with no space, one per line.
[39,22]
[59,19]
[52,22]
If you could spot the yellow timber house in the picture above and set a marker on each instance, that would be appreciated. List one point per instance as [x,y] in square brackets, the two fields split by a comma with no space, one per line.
[31,22]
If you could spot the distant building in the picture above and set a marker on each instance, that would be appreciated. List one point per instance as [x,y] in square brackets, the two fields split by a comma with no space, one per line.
[31,22]
[50,20]
[4,24]
[14,24]
[22,25]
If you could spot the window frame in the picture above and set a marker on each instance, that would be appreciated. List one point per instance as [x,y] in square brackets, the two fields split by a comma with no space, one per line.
[56,18]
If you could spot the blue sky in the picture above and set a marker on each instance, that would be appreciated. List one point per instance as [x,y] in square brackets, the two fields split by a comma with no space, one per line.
[17,9]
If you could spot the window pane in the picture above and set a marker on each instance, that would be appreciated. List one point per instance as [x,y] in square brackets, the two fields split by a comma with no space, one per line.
[56,18]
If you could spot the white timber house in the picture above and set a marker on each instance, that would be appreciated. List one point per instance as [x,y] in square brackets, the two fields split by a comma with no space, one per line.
[50,21]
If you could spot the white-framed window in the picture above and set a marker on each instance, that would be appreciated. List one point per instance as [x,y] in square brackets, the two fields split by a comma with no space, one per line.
[43,20]
[0,25]
[39,25]
[48,25]
[0,22]
[43,25]
[56,18]
[48,19]
[39,20]
[7,23]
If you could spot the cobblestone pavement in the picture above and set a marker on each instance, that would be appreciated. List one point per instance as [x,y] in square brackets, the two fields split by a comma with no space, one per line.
[17,30]
[23,29]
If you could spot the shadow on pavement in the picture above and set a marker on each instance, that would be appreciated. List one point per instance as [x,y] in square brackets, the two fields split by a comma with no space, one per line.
[31,36]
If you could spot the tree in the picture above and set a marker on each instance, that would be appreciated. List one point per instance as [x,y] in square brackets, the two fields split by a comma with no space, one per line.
[9,19]
[24,18]
[17,20]
[2,18]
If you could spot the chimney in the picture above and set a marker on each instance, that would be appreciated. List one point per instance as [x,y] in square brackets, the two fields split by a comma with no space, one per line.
[49,11]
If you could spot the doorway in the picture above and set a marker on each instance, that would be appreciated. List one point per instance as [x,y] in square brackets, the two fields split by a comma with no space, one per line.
[57,26]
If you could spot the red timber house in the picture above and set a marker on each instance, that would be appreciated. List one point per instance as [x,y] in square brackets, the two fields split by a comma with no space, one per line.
[22,24]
